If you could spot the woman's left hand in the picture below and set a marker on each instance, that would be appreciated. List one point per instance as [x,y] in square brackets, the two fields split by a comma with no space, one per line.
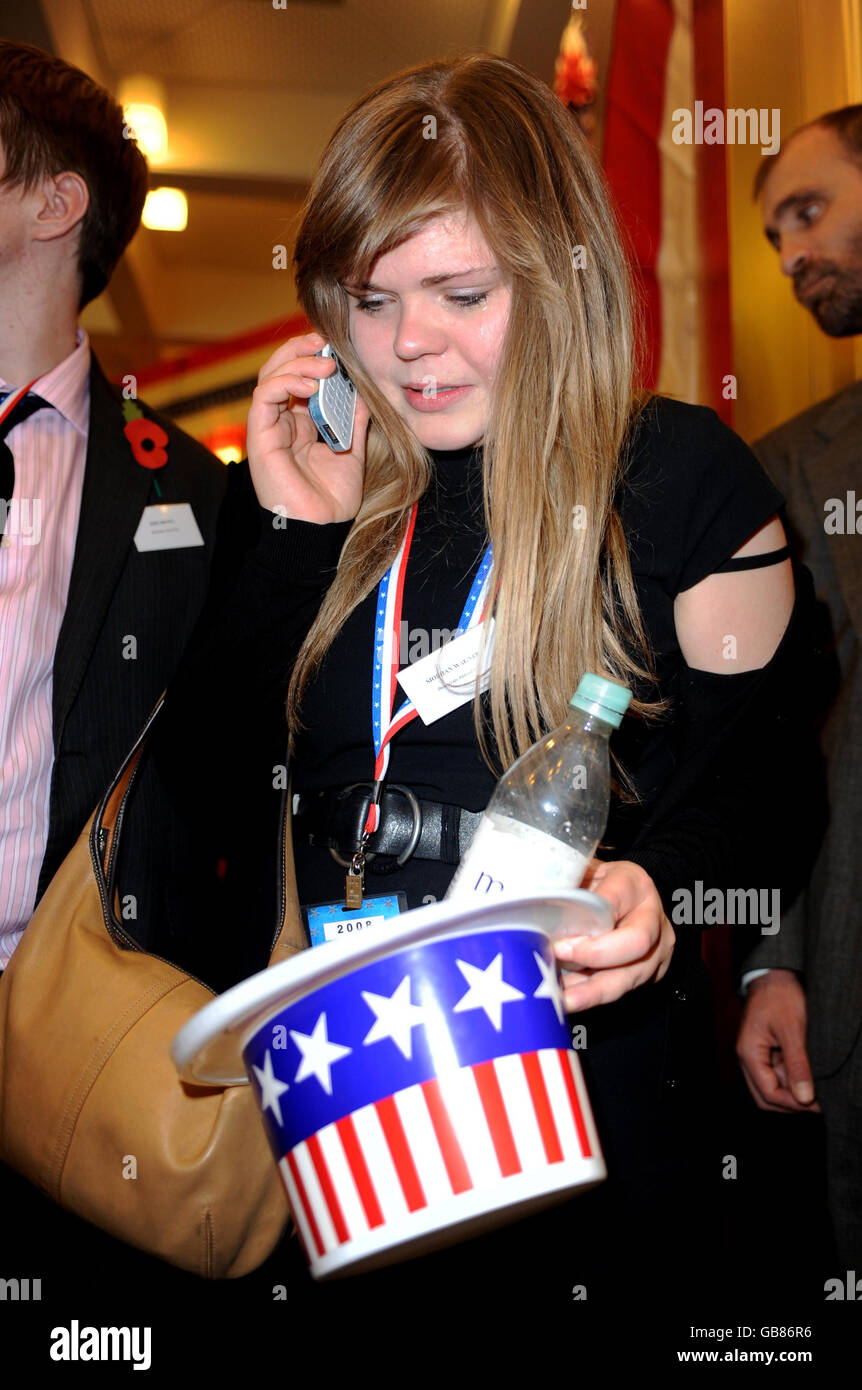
[599,969]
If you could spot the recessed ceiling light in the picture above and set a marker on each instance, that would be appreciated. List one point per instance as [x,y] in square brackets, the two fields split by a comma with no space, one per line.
[166,210]
[143,101]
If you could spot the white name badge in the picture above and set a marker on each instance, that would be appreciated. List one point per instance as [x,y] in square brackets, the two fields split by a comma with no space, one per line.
[167,526]
[446,679]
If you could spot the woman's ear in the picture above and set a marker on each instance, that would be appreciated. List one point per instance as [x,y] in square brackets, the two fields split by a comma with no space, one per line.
[61,204]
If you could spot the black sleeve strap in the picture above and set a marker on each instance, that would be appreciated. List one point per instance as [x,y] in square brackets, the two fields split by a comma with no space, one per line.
[754,562]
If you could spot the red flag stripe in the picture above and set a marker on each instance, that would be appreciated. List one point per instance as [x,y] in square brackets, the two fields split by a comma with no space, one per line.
[498,1121]
[399,1148]
[330,1196]
[306,1205]
[569,1082]
[359,1169]
[711,232]
[402,719]
[453,1157]
[295,1212]
[542,1106]
[11,401]
[634,107]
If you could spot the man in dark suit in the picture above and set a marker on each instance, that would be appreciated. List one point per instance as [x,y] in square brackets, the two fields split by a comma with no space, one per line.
[96,608]
[811,971]
[108,518]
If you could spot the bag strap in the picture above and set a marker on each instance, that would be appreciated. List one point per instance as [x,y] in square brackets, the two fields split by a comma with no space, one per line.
[290,935]
[107,826]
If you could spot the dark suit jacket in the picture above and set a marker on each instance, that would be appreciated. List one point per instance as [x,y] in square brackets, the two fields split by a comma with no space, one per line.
[812,458]
[102,697]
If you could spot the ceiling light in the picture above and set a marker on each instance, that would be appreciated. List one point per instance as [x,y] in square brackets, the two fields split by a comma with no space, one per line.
[143,102]
[166,210]
[150,130]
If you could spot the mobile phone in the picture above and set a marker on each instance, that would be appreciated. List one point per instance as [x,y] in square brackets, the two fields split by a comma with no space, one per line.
[333,405]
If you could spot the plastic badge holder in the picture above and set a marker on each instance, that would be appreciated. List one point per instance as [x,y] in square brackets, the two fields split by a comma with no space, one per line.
[416,1084]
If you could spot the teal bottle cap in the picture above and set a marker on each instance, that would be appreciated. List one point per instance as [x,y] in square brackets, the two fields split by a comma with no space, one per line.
[605,698]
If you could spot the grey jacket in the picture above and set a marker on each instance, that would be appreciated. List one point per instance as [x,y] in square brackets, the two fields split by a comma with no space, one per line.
[815,460]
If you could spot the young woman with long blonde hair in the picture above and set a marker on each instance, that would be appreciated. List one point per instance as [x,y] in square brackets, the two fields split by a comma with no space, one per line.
[458,251]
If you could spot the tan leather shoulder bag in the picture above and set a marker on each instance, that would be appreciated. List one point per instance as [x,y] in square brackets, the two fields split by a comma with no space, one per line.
[91,1107]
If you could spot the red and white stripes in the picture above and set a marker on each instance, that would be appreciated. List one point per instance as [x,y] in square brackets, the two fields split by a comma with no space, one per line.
[672,199]
[385,1168]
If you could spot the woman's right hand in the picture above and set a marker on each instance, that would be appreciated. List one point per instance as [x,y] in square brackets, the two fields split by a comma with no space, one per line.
[291,469]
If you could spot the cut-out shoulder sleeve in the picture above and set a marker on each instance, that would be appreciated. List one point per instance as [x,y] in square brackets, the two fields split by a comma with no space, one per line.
[694,493]
[745,806]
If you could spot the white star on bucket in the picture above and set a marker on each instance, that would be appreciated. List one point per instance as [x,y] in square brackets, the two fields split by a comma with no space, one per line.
[270,1088]
[488,990]
[395,1016]
[549,988]
[318,1054]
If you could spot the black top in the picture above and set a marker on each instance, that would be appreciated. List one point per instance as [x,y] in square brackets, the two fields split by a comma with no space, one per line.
[699,470]
[727,782]
[692,495]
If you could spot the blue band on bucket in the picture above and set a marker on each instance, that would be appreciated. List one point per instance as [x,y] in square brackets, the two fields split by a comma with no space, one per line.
[469,999]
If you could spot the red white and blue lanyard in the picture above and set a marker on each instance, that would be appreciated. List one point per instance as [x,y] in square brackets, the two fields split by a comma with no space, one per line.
[387,633]
[8,404]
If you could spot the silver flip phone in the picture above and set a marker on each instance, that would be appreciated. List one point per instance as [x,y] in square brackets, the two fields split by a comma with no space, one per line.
[333,406]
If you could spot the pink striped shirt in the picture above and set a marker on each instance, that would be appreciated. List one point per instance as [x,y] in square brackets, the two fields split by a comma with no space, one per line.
[50,450]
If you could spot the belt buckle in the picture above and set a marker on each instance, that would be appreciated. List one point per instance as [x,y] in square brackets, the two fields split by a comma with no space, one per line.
[415,833]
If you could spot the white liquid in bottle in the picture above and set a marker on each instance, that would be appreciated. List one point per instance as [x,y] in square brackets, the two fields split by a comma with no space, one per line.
[507,856]
[549,811]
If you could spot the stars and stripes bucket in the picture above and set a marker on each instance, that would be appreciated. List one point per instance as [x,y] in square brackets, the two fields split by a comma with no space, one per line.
[417,1086]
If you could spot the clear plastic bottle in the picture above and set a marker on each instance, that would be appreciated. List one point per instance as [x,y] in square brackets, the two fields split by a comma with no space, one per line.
[549,811]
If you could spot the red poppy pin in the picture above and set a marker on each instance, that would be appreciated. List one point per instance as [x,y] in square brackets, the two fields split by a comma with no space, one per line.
[147,439]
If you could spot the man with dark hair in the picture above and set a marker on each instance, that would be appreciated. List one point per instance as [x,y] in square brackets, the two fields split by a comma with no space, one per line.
[94,614]
[812,969]
[95,610]
[55,119]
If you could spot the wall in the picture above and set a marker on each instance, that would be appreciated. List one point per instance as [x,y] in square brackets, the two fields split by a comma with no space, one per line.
[802,56]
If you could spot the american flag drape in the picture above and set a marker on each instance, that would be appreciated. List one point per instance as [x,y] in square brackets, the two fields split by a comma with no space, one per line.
[665,55]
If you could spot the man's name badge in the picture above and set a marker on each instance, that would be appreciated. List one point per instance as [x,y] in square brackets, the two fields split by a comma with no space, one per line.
[334,922]
[167,526]
[446,679]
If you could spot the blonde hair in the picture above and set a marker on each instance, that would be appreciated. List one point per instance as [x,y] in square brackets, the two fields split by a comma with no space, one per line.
[505,149]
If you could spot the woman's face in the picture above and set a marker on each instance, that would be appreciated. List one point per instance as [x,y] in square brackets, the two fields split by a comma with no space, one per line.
[428,328]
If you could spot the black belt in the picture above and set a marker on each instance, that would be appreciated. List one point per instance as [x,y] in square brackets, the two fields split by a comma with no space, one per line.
[408,827]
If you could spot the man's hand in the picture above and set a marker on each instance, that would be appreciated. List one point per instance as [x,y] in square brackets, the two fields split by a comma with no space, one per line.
[771,1044]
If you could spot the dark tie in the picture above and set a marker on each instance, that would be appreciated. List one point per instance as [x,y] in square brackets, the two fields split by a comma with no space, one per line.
[26,407]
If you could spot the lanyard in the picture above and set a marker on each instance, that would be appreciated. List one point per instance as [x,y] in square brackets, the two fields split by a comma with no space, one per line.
[387,634]
[13,399]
